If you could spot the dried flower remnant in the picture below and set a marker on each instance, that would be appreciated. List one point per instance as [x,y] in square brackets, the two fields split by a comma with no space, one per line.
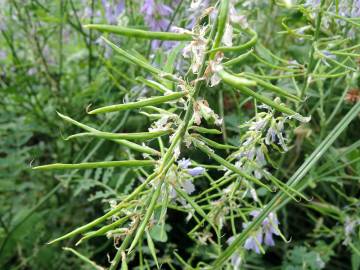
[202,110]
[353,96]
[196,49]
[213,68]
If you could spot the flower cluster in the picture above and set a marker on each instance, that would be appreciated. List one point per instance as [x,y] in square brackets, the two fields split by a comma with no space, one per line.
[264,234]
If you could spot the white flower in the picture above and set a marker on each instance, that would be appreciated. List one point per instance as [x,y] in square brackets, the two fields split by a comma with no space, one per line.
[188,186]
[184,163]
[349,228]
[195,4]
[160,124]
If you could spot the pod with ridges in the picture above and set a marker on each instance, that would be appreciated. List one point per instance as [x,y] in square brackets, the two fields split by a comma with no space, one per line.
[142,136]
[138,33]
[93,165]
[139,104]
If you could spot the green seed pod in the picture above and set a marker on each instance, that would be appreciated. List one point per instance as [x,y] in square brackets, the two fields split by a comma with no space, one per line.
[214,144]
[221,24]
[151,247]
[137,33]
[238,84]
[273,88]
[205,130]
[134,146]
[235,80]
[154,85]
[242,47]
[103,230]
[93,165]
[140,62]
[139,104]
[238,59]
[148,214]
[142,136]
[228,165]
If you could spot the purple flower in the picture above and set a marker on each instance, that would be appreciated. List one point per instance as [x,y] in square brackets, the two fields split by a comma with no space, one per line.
[156,19]
[196,171]
[155,14]
[113,9]
[270,227]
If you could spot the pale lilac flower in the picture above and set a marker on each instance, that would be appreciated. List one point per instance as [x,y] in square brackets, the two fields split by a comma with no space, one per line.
[270,136]
[196,171]
[349,228]
[184,163]
[3,54]
[113,9]
[270,227]
[254,241]
[259,124]
[32,71]
[236,256]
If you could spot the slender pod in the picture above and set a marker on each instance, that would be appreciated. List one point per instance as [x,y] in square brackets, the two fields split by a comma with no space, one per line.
[148,214]
[139,104]
[242,47]
[205,130]
[142,136]
[104,217]
[238,84]
[152,248]
[227,164]
[137,33]
[140,62]
[92,165]
[273,88]
[103,229]
[239,59]
[221,24]
[134,146]
[214,144]
[154,85]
